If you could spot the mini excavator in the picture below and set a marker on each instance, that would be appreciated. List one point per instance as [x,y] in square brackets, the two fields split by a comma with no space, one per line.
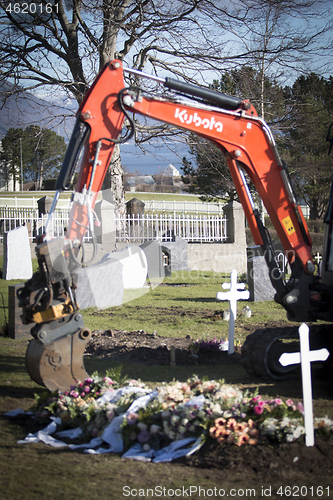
[54,357]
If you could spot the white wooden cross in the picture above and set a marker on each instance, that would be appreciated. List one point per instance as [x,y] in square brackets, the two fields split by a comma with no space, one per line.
[318,258]
[305,357]
[236,292]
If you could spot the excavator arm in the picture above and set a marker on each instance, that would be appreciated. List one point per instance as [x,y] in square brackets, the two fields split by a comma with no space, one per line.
[250,151]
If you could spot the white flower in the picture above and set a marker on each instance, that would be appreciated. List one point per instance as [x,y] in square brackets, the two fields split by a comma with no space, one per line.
[142,426]
[216,408]
[299,431]
[174,420]
[154,429]
[172,435]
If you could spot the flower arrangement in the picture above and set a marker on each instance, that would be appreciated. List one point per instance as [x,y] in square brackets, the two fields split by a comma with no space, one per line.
[206,409]
[80,407]
[207,345]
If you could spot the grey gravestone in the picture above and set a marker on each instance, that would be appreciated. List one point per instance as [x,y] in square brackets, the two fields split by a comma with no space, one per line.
[44,205]
[260,285]
[17,255]
[178,252]
[100,285]
[154,254]
[134,266]
[135,207]
[16,328]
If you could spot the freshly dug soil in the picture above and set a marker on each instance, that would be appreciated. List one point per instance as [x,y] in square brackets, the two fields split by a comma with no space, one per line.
[150,349]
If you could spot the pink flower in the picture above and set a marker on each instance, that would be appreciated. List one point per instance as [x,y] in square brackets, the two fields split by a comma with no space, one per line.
[89,380]
[74,394]
[300,407]
[278,401]
[108,380]
[86,389]
[258,409]
[132,418]
[289,402]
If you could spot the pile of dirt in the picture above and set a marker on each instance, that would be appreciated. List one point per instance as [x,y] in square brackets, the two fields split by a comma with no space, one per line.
[150,349]
[286,461]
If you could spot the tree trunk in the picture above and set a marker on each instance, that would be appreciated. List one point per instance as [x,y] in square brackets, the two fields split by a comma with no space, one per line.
[114,181]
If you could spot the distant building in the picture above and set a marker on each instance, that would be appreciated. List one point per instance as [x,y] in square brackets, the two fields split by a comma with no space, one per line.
[171,170]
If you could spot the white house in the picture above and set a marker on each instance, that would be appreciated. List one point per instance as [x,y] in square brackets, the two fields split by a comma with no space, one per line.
[171,170]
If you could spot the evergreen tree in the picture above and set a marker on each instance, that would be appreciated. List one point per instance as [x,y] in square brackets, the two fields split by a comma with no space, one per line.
[309,104]
[42,153]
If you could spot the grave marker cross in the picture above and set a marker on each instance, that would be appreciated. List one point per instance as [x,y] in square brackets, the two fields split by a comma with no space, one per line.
[236,292]
[305,357]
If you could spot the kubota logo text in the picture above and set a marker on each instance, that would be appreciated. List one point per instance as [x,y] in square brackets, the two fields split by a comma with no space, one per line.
[208,123]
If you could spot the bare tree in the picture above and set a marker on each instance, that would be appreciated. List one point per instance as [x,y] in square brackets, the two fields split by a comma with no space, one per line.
[62,48]
[284,39]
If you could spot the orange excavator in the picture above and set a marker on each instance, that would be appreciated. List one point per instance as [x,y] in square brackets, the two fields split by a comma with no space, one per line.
[54,357]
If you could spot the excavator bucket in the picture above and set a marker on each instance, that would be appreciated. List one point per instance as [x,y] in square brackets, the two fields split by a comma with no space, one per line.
[56,362]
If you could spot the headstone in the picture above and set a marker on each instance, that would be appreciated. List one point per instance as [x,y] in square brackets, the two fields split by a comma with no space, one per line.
[100,285]
[236,292]
[260,285]
[44,205]
[235,216]
[305,357]
[154,254]
[17,262]
[135,207]
[16,328]
[178,252]
[106,231]
[134,266]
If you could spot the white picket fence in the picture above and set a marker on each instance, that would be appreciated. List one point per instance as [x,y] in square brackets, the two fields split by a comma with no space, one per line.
[164,227]
[161,227]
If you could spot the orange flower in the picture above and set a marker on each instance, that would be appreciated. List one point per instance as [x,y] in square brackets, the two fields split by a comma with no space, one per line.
[212,431]
[221,439]
[220,421]
[232,423]
[241,426]
[253,433]
[242,439]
